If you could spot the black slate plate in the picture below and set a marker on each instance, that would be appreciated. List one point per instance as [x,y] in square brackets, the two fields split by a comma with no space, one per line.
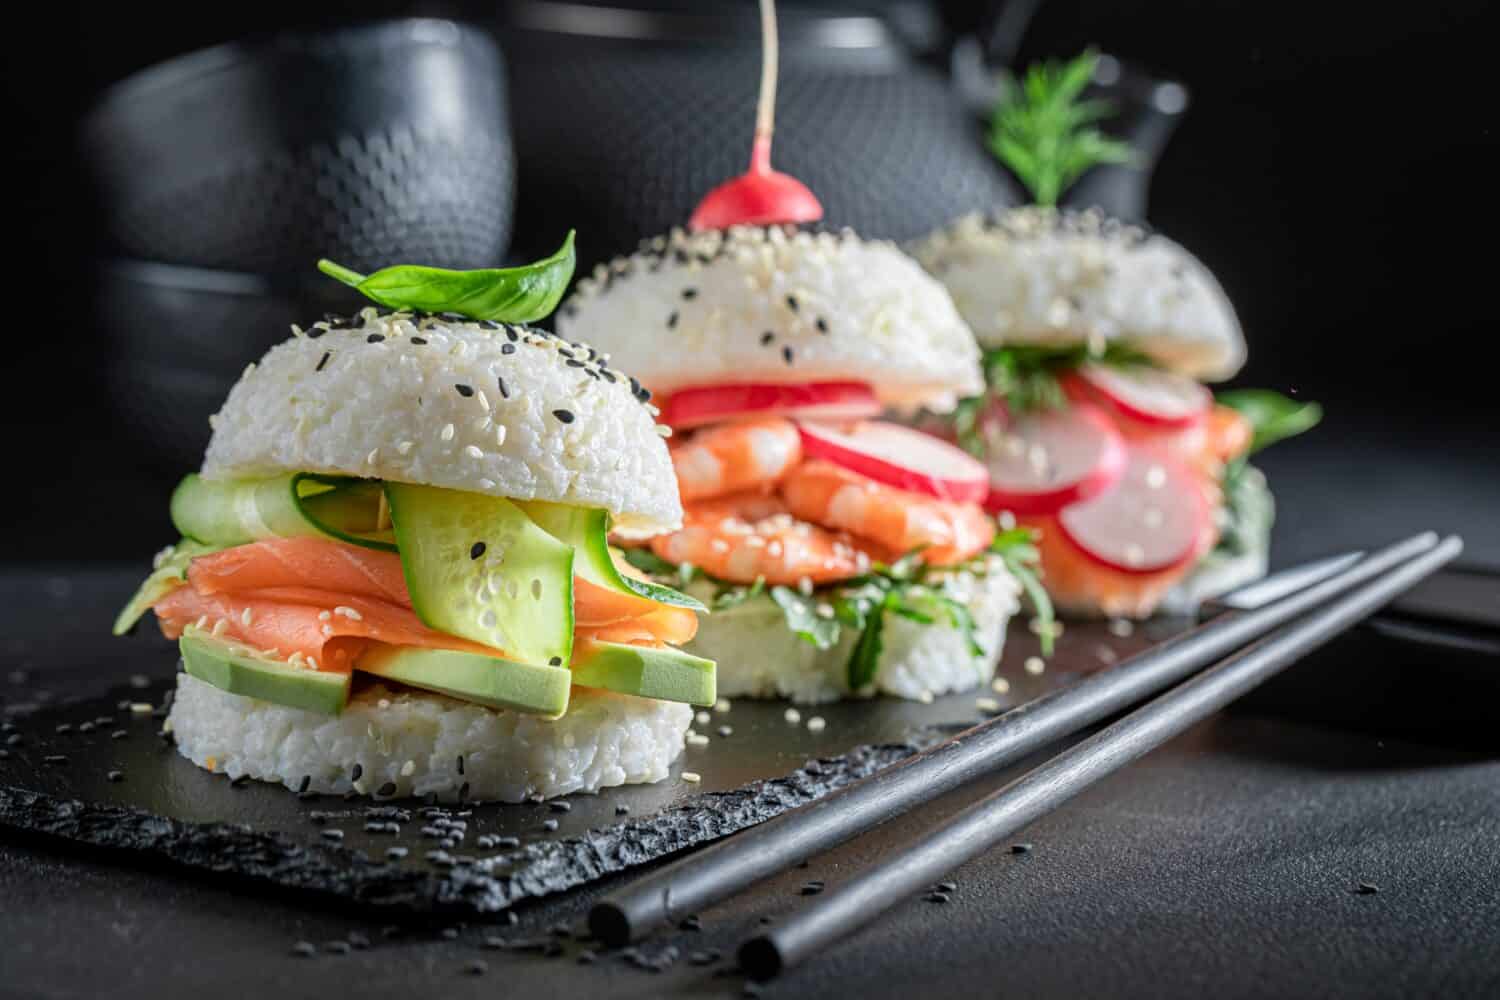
[71,723]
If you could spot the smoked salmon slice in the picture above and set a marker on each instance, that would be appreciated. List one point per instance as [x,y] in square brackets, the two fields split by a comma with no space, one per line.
[327,601]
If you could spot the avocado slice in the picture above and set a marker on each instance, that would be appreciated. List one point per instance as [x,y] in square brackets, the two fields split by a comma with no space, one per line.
[587,531]
[477,567]
[241,670]
[664,674]
[484,680]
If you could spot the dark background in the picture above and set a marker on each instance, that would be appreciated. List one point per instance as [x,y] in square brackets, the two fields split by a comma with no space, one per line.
[1335,170]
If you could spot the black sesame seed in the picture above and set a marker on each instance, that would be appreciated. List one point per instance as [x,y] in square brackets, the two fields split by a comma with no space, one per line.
[476,550]
[463,791]
[357,772]
[766,338]
[566,416]
[511,334]
[1366,889]
[936,897]
[946,887]
[304,949]
[821,324]
[507,348]
[419,341]
[115,776]
[691,923]
[465,391]
[323,361]
[573,363]
[1020,848]
[337,947]
[507,842]
[812,888]
[791,302]
[488,324]
[672,320]
[560,806]
[332,834]
[315,333]
[690,293]
[608,375]
[786,354]
[386,790]
[504,392]
[374,338]
[622,810]
[460,763]
[305,783]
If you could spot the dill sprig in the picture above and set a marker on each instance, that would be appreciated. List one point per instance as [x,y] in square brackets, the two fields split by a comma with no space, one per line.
[1043,129]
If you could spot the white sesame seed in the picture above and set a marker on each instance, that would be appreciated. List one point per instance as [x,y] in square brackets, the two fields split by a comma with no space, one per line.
[696,739]
[327,631]
[348,613]
[1034,665]
[324,616]
[1121,627]
[220,626]
[408,769]
[692,776]
[372,456]
[722,705]
[499,435]
[487,484]
[447,432]
[201,623]
[404,447]
[140,708]
[246,616]
[473,451]
[1000,685]
[484,401]
[792,715]
[987,704]
[816,724]
[702,718]
[926,697]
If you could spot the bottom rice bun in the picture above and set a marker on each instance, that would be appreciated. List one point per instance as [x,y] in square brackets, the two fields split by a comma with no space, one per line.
[395,578]
[759,657]
[395,742]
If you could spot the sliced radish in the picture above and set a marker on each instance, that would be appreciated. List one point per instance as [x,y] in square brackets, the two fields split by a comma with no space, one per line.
[900,457]
[1153,519]
[815,400]
[1149,395]
[1044,461]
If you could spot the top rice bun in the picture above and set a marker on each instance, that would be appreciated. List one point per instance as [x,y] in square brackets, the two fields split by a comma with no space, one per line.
[1039,276]
[777,305]
[489,408]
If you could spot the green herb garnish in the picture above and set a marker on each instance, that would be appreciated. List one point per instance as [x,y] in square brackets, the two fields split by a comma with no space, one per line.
[1273,417]
[509,294]
[1044,131]
[1028,377]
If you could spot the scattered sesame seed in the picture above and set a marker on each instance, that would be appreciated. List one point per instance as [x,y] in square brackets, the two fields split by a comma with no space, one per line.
[791,302]
[1020,848]
[1000,685]
[556,661]
[115,776]
[786,353]
[690,293]
[140,708]
[419,341]
[822,324]
[466,391]
[692,776]
[386,790]
[722,705]
[507,348]
[987,704]
[447,432]
[566,416]
[473,451]
[702,718]
[408,769]
[672,320]
[726,730]
[1035,665]
[816,724]
[766,338]
[323,361]
[349,613]
[476,550]
[792,715]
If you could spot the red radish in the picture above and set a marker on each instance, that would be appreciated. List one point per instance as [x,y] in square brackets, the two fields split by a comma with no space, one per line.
[1155,518]
[900,457]
[761,196]
[699,405]
[1047,460]
[1149,395]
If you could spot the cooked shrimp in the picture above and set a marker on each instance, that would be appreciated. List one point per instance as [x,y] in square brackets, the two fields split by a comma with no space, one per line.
[747,536]
[898,520]
[735,457]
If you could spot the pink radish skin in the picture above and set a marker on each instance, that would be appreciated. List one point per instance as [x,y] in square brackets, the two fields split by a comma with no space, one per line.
[699,405]
[1159,399]
[900,457]
[1046,461]
[1153,519]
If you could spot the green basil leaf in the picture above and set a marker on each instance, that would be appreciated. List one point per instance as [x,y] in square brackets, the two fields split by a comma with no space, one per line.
[803,619]
[1272,416]
[510,294]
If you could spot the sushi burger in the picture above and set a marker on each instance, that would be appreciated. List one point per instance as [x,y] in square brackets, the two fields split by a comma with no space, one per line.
[839,554]
[394,577]
[1095,423]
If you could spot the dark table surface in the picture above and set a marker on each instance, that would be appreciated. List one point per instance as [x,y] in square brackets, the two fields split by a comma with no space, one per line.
[1229,861]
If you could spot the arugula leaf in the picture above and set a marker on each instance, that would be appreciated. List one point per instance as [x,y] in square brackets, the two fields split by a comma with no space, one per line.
[510,294]
[1017,547]
[1044,131]
[1273,417]
[802,618]
[865,656]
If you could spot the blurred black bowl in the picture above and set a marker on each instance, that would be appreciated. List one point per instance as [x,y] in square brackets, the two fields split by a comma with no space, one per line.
[370,144]
[624,118]
[176,339]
